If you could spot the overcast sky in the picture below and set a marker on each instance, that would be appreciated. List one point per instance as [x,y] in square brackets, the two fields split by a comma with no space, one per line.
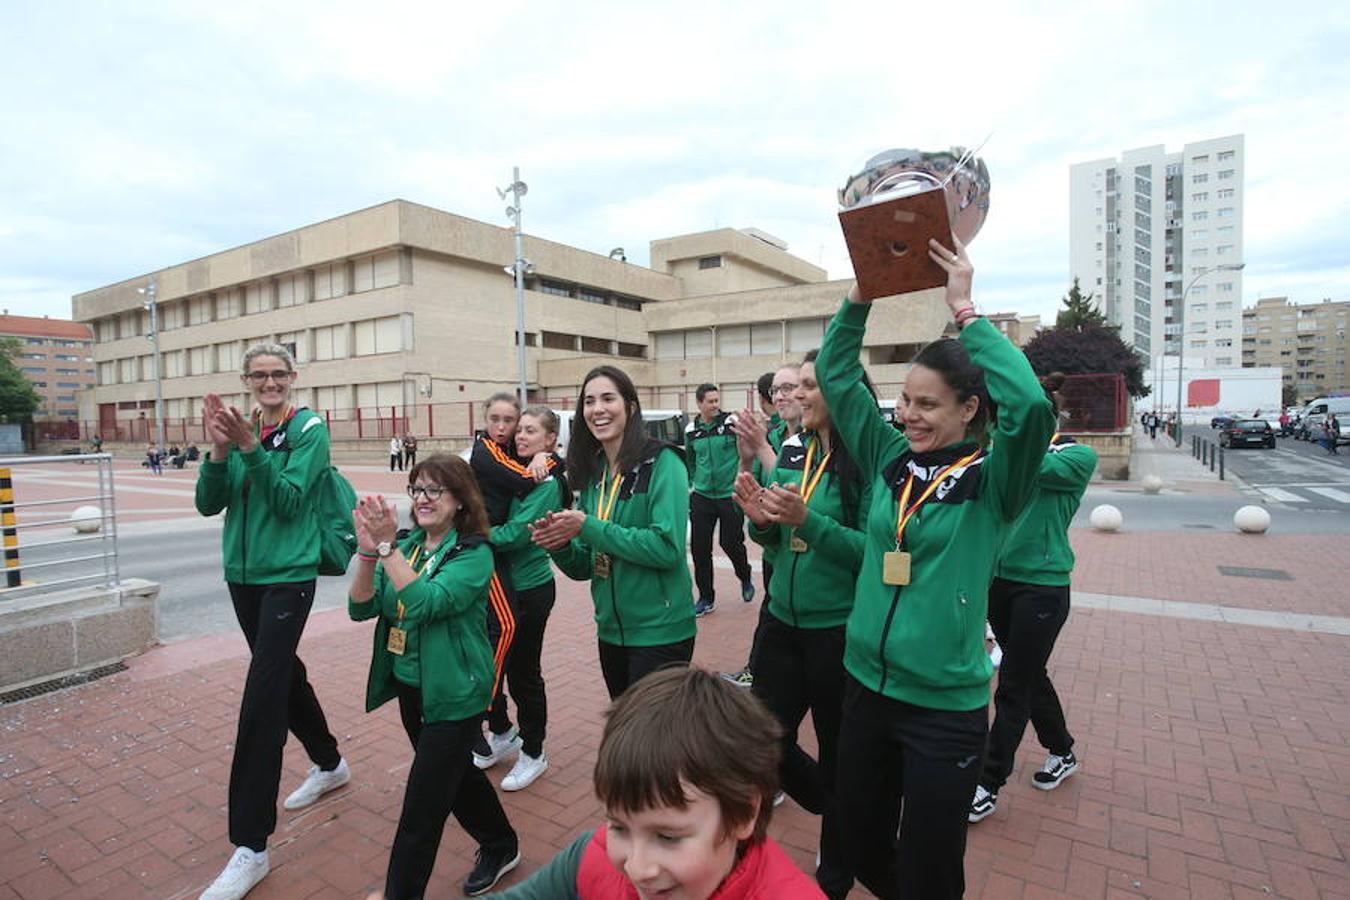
[140,135]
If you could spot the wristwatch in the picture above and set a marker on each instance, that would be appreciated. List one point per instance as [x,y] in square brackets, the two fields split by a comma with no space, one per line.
[383,549]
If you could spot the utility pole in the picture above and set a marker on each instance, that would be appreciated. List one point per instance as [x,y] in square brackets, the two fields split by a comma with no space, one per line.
[153,335]
[518,189]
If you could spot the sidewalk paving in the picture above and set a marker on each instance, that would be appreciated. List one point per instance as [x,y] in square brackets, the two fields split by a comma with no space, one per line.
[1215,757]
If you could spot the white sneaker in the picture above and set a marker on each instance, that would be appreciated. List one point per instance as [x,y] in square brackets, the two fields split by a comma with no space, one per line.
[317,783]
[996,655]
[245,869]
[525,771]
[498,747]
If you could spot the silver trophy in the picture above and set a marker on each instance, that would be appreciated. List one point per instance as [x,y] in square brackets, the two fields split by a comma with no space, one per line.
[900,200]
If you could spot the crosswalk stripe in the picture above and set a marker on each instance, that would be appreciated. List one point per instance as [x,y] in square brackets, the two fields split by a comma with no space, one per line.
[1275,493]
[1331,493]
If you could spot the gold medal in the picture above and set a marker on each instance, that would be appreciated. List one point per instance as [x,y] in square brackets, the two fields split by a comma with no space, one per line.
[797,545]
[895,567]
[602,564]
[398,641]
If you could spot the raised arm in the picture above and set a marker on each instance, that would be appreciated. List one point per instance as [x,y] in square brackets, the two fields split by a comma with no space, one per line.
[858,422]
[1068,468]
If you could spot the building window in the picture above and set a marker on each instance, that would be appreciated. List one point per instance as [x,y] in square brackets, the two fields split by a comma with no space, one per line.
[670,345]
[1225,212]
[1225,229]
[1225,194]
[805,334]
[1200,178]
[331,342]
[1200,196]
[733,340]
[1199,215]
[1224,155]
[715,262]
[555,288]
[383,335]
[1226,175]
[1202,158]
[698,343]
[632,351]
[554,340]
[766,338]
[594,345]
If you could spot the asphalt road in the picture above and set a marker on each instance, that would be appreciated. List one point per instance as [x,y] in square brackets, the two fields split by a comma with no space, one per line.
[1296,473]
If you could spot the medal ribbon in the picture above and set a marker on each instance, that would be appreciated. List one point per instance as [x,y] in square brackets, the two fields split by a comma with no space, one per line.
[809,484]
[412,564]
[903,518]
[605,509]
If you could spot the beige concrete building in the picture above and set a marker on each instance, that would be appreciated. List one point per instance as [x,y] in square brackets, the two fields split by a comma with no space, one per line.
[1309,341]
[56,356]
[404,310]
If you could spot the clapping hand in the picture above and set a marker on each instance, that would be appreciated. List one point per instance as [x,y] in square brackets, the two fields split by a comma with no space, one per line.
[376,522]
[784,504]
[555,530]
[749,496]
[751,434]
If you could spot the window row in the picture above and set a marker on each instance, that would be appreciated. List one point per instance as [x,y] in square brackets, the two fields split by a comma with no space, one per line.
[347,339]
[324,282]
[756,339]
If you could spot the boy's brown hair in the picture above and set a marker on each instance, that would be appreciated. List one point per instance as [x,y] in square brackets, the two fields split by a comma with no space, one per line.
[686,725]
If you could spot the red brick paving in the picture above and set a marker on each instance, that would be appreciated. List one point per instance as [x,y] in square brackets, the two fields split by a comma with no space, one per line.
[1214,757]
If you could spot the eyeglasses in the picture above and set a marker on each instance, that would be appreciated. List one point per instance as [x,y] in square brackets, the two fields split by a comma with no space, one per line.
[431,492]
[784,388]
[280,376]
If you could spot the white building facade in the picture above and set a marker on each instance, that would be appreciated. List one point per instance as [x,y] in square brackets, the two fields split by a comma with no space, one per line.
[1146,226]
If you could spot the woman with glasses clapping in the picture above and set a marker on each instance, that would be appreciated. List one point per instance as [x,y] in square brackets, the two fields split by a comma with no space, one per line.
[428,594]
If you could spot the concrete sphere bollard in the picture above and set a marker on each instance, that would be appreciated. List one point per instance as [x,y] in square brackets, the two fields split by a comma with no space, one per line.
[1152,484]
[1252,520]
[1106,518]
[86,519]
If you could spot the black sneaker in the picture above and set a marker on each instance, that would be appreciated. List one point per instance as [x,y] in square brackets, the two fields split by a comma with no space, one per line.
[702,608]
[1055,770]
[983,805]
[747,591]
[491,866]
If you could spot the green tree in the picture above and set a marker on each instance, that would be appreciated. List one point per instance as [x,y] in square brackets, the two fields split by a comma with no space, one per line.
[1078,310]
[18,400]
[1288,395]
[1087,350]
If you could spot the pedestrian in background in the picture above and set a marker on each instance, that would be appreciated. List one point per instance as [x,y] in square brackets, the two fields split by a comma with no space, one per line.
[1028,605]
[262,471]
[710,453]
[395,453]
[409,450]
[155,458]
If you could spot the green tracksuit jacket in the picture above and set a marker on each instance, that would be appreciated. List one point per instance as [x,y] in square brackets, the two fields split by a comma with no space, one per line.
[710,452]
[445,615]
[813,589]
[923,643]
[271,531]
[648,597]
[526,560]
[1037,550]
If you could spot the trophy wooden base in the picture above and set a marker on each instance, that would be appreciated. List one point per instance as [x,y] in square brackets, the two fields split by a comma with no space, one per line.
[888,243]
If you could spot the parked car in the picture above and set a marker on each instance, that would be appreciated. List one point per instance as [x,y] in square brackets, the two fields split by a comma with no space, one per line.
[1247,433]
[1222,420]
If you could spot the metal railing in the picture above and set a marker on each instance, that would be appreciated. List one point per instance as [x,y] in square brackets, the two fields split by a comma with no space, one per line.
[36,503]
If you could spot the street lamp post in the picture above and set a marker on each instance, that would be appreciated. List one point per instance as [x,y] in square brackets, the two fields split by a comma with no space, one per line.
[153,335]
[1181,332]
[517,189]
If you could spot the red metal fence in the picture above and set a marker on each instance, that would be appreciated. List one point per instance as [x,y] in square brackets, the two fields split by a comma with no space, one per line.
[1094,402]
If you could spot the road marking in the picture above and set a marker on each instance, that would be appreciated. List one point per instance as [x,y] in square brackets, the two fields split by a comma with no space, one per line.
[1331,493]
[1275,493]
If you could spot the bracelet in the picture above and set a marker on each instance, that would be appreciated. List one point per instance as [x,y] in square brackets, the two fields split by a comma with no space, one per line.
[366,557]
[964,315]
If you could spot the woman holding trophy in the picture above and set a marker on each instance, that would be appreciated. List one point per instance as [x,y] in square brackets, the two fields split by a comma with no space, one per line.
[917,678]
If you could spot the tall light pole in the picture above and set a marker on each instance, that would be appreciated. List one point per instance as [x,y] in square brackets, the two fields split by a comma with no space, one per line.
[1181,333]
[153,334]
[517,189]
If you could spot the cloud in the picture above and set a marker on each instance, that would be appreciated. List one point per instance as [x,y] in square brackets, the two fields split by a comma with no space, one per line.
[167,132]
